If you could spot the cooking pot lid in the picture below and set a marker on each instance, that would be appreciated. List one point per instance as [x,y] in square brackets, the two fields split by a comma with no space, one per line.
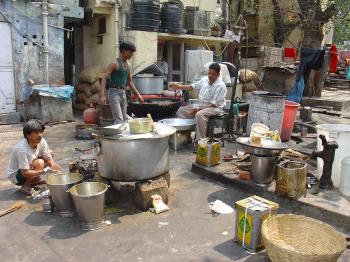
[161,131]
[153,69]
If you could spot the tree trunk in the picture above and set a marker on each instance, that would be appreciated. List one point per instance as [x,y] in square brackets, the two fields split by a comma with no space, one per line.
[322,74]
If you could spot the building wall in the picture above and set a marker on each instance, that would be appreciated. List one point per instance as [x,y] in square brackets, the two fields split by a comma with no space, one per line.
[146,45]
[26,20]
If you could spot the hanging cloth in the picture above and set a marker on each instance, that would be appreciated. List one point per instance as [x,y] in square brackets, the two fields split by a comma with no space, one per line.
[290,52]
[333,59]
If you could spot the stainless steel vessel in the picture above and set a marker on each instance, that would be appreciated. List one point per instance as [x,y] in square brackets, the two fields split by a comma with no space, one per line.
[89,199]
[263,169]
[180,124]
[148,84]
[59,185]
[268,147]
[133,160]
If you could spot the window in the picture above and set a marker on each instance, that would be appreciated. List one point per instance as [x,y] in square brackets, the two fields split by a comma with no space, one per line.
[101,26]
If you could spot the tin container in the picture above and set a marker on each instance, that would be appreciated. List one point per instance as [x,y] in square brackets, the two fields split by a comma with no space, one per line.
[291,179]
[208,152]
[47,204]
[250,213]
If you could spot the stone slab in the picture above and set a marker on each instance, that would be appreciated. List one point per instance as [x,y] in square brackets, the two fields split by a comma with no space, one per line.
[338,100]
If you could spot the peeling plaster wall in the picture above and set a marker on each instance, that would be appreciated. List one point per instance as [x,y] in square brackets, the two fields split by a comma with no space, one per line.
[26,19]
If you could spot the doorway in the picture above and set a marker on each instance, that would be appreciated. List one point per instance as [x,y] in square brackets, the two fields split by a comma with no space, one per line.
[7,80]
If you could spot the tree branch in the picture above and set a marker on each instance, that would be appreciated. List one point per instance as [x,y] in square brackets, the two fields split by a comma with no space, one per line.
[327,14]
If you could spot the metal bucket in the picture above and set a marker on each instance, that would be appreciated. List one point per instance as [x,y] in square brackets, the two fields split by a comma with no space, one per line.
[89,199]
[291,179]
[263,169]
[59,185]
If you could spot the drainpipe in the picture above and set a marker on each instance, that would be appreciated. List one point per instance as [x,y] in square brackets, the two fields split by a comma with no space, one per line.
[225,12]
[44,7]
[116,28]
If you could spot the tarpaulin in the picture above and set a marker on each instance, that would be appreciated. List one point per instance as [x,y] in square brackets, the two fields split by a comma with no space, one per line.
[296,93]
[61,92]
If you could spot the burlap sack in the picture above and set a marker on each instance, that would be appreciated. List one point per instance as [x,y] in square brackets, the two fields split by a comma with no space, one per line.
[80,106]
[84,88]
[81,98]
[246,76]
[91,74]
[95,88]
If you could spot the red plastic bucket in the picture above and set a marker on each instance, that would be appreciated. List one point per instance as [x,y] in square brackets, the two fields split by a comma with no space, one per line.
[290,113]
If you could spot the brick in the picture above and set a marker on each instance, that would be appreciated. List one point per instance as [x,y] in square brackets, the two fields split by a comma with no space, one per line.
[144,191]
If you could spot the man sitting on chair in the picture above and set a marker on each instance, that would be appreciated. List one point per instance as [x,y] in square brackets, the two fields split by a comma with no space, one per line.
[212,93]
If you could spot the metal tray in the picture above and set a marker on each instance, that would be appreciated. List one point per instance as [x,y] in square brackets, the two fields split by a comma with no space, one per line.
[268,148]
[108,131]
[180,124]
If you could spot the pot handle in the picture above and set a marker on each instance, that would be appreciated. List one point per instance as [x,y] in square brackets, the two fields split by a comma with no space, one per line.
[348,240]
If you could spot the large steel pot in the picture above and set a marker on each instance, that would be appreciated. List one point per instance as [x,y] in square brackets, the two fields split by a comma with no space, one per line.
[59,185]
[89,200]
[149,85]
[133,160]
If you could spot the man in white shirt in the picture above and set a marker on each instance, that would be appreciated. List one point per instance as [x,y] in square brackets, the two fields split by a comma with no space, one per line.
[29,158]
[212,93]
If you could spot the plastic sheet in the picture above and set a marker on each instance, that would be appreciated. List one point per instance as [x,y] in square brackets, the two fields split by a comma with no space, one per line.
[61,92]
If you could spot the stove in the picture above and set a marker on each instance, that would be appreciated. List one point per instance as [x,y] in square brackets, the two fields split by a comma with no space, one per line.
[159,106]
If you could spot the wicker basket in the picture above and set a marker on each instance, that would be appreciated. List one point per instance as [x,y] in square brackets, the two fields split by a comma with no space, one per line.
[295,238]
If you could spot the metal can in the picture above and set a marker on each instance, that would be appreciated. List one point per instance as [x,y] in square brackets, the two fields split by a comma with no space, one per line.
[47,204]
[303,131]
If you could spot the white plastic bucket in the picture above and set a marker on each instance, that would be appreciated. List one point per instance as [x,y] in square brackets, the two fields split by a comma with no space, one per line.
[341,134]
[259,130]
[345,176]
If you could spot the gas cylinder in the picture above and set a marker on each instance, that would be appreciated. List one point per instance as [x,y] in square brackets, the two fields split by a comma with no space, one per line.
[90,115]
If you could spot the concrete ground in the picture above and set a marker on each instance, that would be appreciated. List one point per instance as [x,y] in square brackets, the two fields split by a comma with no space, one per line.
[188,232]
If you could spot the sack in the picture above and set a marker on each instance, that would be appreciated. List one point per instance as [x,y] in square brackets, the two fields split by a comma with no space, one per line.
[91,74]
[95,88]
[84,88]
[81,98]
[246,76]
[95,99]
[80,106]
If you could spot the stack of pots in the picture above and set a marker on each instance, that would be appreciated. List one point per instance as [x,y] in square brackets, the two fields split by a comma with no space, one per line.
[263,166]
[70,195]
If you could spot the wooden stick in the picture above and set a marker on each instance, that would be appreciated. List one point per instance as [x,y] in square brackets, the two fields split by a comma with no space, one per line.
[14,207]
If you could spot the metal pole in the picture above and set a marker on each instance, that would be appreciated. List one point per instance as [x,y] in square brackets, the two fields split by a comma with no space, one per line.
[45,13]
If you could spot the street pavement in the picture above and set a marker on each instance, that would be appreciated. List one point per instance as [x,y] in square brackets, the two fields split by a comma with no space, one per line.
[188,232]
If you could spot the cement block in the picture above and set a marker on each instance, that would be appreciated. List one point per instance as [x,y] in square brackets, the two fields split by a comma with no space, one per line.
[10,118]
[48,109]
[144,191]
